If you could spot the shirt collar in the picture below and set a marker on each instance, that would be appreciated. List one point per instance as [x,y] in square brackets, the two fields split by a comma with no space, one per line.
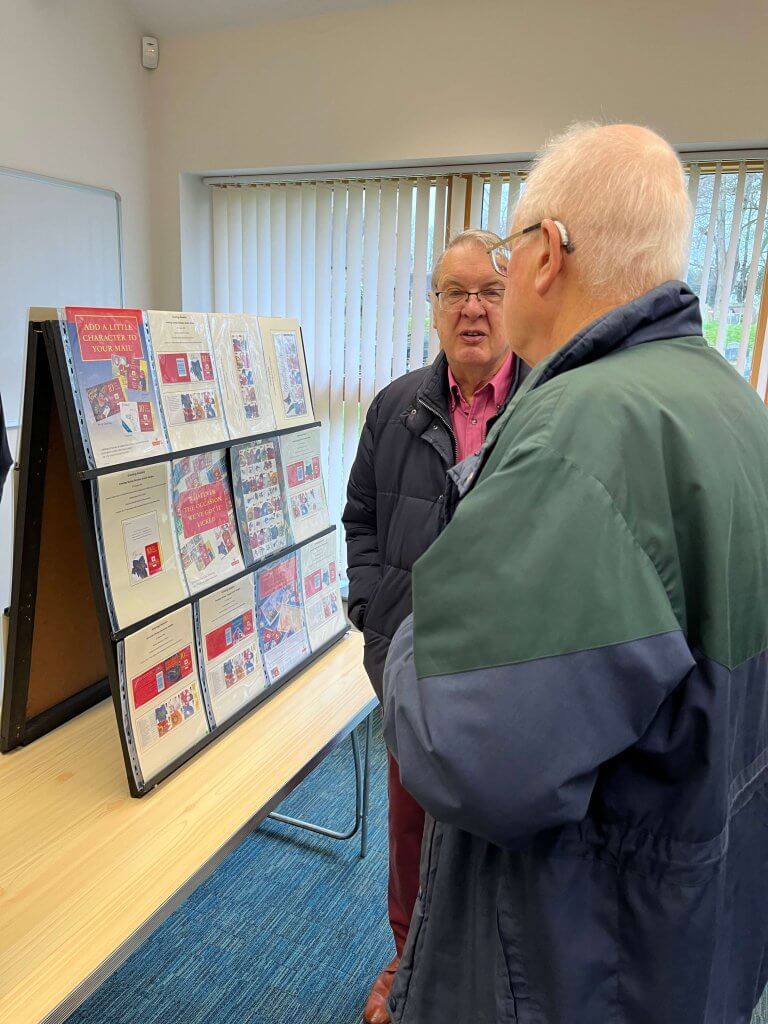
[499,384]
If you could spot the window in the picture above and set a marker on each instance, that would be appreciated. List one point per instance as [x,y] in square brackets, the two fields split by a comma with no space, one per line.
[727,257]
[728,254]
[351,259]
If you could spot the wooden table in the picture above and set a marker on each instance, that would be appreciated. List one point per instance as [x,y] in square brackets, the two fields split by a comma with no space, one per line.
[87,872]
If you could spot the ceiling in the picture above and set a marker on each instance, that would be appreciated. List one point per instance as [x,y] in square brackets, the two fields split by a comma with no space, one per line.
[184,17]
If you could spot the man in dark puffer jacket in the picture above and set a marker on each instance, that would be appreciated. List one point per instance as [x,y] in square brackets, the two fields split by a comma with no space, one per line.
[415,430]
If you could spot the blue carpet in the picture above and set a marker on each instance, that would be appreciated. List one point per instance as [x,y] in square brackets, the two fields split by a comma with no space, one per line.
[291,927]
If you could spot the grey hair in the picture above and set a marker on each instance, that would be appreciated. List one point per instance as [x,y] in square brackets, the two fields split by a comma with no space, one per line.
[474,236]
[620,191]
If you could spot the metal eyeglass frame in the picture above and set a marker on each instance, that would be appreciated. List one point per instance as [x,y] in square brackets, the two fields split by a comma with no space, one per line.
[467,296]
[565,241]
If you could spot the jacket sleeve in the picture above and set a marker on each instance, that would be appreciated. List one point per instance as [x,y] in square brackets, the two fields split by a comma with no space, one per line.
[541,645]
[359,518]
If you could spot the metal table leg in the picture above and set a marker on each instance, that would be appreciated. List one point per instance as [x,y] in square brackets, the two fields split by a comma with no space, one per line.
[361,798]
[366,787]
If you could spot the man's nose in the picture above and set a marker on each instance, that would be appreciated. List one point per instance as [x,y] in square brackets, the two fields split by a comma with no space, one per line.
[473,307]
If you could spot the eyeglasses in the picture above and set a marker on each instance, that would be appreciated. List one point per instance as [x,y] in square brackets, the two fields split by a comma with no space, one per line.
[454,298]
[501,251]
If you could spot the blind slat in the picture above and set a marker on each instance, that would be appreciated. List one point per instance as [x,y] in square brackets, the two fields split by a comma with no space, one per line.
[730,260]
[402,279]
[277,248]
[458,205]
[693,194]
[438,244]
[494,204]
[354,285]
[235,237]
[220,251]
[419,288]
[308,228]
[513,194]
[749,298]
[476,202]
[322,374]
[693,184]
[370,296]
[250,253]
[338,296]
[386,283]
[707,264]
[440,233]
[293,252]
[264,261]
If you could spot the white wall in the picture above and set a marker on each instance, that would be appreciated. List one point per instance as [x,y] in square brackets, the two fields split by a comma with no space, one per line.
[75,106]
[445,78]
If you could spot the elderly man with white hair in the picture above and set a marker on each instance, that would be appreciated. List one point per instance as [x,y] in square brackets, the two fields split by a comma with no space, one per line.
[580,697]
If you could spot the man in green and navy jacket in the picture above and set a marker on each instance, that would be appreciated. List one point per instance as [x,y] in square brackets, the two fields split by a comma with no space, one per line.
[580,698]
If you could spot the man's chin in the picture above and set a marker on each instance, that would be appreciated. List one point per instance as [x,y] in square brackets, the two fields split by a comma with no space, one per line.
[471,355]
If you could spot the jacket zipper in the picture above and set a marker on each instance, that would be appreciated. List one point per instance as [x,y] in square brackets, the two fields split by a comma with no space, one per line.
[436,412]
[423,894]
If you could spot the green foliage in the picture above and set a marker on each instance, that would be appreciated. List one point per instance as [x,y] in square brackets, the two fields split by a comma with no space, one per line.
[732,333]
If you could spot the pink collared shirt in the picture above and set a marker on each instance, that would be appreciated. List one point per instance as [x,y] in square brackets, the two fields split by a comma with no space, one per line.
[470,419]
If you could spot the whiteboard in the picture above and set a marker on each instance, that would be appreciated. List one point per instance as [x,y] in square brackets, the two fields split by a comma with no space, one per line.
[60,244]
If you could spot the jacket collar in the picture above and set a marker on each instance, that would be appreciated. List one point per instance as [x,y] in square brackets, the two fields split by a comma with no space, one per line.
[434,388]
[669,311]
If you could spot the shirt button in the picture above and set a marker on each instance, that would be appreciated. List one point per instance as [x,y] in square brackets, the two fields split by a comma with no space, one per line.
[436,427]
[473,421]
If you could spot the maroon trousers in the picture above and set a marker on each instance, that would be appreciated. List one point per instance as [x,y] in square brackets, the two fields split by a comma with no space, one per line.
[406,828]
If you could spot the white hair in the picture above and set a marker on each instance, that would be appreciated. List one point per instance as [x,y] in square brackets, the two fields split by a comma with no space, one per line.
[482,239]
[620,191]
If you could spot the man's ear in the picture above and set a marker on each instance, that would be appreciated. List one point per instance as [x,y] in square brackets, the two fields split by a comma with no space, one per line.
[432,309]
[551,260]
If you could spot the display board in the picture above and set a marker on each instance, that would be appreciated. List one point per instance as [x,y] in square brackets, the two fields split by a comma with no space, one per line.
[48,679]
[189,604]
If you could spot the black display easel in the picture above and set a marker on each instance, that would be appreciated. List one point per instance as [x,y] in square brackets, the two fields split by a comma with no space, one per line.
[53,671]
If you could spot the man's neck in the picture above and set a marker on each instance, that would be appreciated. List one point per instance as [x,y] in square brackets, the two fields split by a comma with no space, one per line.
[566,326]
[469,382]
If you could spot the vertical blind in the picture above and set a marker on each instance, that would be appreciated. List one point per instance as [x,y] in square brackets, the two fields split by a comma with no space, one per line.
[351,260]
